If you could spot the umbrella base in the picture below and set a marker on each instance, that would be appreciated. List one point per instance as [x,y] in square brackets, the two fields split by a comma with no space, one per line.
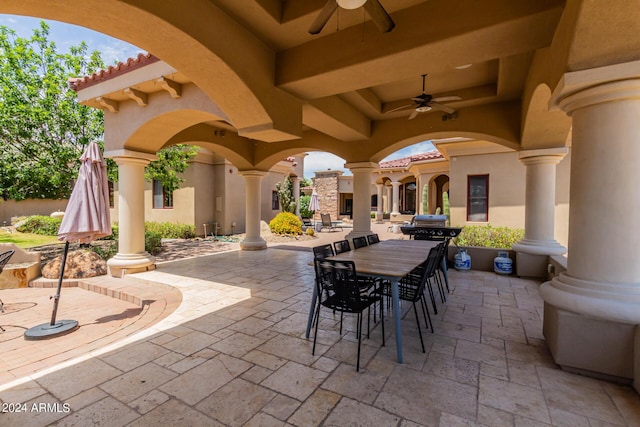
[46,330]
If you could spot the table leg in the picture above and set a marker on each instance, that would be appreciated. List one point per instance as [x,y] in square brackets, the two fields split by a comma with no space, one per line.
[396,318]
[314,299]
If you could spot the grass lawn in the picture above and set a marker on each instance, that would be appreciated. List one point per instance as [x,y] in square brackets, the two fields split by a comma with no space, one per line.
[26,240]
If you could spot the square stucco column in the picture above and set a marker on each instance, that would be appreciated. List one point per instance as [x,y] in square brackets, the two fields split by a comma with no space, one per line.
[593,309]
[131,256]
[253,241]
[361,197]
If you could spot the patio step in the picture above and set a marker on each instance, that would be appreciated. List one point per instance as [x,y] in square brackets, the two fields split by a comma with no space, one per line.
[135,291]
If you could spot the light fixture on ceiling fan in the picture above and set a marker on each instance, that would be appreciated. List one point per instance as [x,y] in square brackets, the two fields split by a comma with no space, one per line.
[425,102]
[373,7]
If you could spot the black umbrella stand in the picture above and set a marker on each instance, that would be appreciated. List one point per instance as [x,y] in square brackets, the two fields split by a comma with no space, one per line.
[53,328]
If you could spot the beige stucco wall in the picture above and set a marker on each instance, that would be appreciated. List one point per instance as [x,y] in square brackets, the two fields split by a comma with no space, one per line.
[507,186]
[213,191]
[11,208]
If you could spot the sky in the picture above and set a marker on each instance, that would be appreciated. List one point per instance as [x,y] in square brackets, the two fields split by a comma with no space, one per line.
[114,50]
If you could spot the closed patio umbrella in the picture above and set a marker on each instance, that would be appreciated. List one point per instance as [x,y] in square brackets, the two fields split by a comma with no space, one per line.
[314,203]
[86,218]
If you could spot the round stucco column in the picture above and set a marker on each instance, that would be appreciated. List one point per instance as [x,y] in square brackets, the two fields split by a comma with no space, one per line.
[603,272]
[252,240]
[395,207]
[380,205]
[388,190]
[131,256]
[295,181]
[361,197]
[540,199]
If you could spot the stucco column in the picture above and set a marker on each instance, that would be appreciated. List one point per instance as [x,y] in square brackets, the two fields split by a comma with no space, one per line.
[295,181]
[389,196]
[380,206]
[253,241]
[361,197]
[395,210]
[593,309]
[540,199]
[131,256]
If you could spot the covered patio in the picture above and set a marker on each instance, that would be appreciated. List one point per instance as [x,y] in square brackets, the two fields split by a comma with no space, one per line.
[536,77]
[234,353]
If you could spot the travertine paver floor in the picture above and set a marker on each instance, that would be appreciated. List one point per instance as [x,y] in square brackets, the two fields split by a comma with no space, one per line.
[234,353]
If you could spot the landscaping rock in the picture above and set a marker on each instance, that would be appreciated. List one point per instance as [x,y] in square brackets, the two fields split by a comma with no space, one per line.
[80,264]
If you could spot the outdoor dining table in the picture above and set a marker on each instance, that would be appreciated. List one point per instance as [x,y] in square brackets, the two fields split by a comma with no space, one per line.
[389,260]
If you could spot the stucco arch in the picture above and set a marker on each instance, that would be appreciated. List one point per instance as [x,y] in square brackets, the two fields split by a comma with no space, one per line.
[542,128]
[186,34]
[152,134]
[236,149]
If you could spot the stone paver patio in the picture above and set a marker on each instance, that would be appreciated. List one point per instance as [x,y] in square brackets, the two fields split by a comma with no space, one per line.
[234,353]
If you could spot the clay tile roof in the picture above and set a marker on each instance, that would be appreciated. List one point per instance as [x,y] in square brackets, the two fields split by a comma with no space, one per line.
[113,71]
[406,161]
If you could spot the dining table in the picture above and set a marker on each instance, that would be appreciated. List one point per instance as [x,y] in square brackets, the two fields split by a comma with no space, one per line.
[389,260]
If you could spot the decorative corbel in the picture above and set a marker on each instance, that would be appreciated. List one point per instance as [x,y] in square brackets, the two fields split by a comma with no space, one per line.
[174,89]
[140,97]
[108,104]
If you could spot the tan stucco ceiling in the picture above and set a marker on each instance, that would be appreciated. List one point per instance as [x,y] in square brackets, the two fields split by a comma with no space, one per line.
[287,91]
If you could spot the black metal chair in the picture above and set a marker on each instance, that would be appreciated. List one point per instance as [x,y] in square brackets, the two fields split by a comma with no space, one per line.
[373,238]
[360,242]
[323,251]
[341,246]
[411,288]
[339,290]
[4,258]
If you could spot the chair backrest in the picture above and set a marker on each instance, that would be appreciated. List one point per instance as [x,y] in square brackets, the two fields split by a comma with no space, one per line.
[341,246]
[4,258]
[373,238]
[359,242]
[434,259]
[338,283]
[326,219]
[323,251]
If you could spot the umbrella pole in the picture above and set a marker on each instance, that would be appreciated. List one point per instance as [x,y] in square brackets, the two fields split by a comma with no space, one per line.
[53,329]
[56,298]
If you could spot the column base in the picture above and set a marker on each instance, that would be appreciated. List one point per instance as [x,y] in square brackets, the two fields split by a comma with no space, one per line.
[253,244]
[532,256]
[593,347]
[122,264]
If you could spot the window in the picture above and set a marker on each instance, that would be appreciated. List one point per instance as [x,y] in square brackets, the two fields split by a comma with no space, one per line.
[161,199]
[275,202]
[478,198]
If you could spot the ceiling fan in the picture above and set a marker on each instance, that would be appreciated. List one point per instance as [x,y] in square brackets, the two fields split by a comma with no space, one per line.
[425,102]
[373,7]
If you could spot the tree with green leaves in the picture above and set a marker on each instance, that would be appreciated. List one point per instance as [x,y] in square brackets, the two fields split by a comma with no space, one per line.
[172,161]
[43,129]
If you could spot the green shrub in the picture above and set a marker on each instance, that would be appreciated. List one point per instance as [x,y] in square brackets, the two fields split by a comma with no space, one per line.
[152,242]
[286,223]
[304,207]
[310,232]
[169,230]
[113,235]
[106,251]
[488,236]
[40,224]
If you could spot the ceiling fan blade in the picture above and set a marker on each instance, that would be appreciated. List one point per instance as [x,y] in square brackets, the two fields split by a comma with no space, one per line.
[323,17]
[441,107]
[413,115]
[447,99]
[400,108]
[379,16]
